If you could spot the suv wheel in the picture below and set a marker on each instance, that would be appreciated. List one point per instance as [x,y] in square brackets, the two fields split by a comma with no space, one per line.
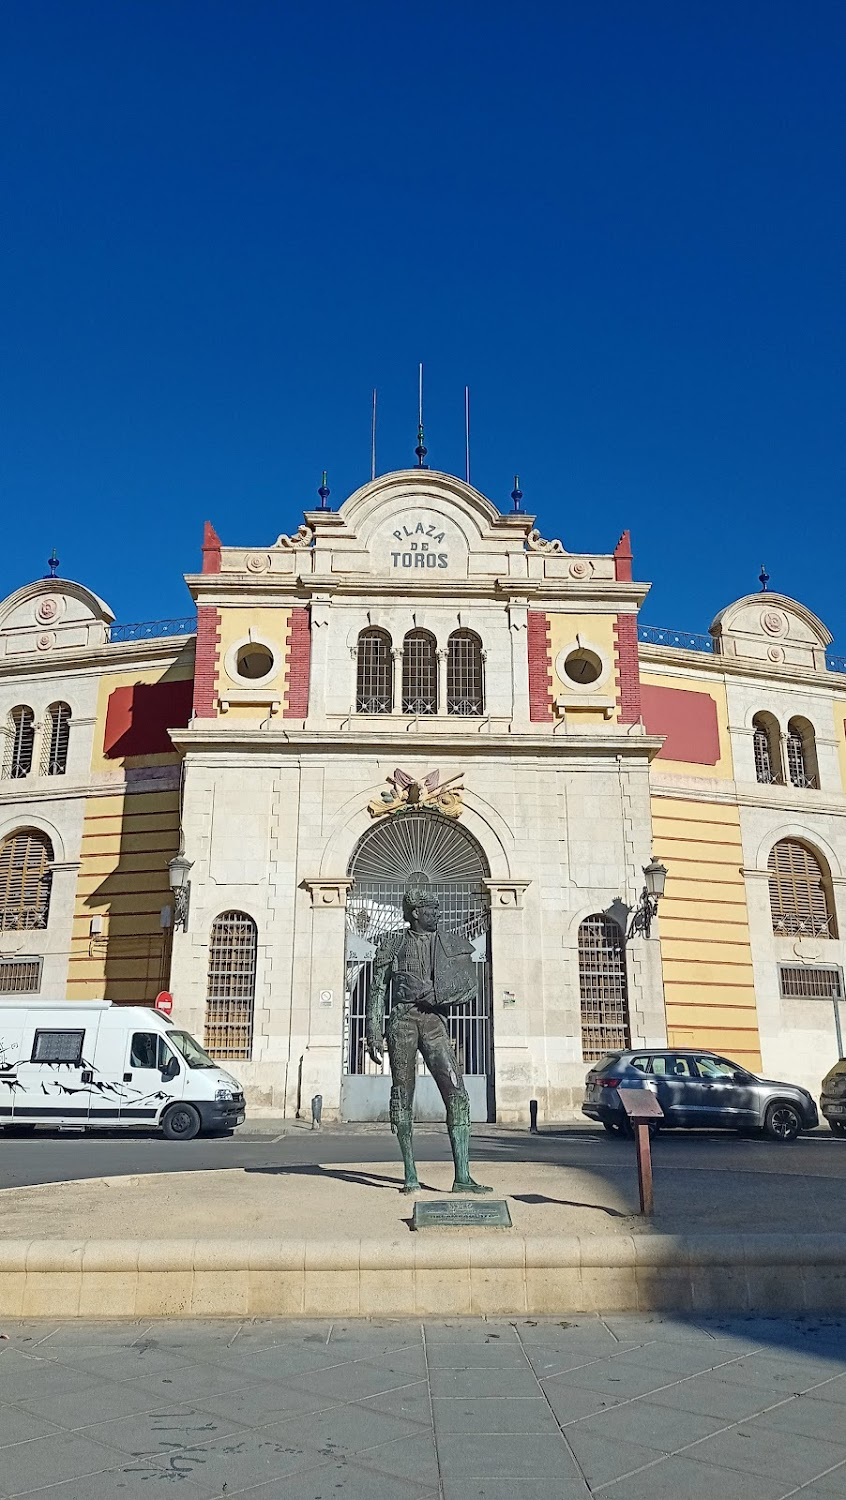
[612,1128]
[783,1122]
[181,1123]
[837,1127]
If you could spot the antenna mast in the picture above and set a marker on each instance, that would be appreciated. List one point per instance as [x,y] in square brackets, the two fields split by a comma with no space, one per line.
[467,433]
[373,438]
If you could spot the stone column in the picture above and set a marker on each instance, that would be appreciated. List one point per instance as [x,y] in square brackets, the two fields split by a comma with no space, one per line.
[513,978]
[518,623]
[443,657]
[396,656]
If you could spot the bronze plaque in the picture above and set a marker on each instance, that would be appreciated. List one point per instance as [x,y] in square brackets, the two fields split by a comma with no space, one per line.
[462,1213]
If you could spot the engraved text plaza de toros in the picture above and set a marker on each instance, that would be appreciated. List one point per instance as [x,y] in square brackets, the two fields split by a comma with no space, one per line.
[418,546]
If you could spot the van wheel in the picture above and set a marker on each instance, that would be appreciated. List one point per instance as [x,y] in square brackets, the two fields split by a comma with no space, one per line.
[782,1122]
[181,1123]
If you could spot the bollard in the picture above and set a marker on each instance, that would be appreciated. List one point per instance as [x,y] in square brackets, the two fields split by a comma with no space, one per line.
[533,1116]
[316,1111]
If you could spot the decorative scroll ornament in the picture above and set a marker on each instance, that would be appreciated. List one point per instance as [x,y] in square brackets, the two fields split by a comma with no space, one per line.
[47,610]
[536,543]
[303,537]
[428,791]
[258,562]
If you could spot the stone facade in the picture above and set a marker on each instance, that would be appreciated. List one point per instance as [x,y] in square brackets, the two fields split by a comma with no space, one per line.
[582,754]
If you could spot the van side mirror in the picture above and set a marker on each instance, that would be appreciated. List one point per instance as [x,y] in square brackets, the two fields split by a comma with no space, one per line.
[170,1069]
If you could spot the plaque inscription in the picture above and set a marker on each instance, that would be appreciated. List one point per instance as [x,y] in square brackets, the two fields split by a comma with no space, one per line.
[462,1213]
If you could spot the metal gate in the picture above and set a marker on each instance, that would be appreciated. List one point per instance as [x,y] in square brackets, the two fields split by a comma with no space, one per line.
[374,908]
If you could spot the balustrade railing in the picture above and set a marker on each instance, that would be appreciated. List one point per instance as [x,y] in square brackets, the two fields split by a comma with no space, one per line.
[149,630]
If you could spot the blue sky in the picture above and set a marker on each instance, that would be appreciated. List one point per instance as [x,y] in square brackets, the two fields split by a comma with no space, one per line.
[225,221]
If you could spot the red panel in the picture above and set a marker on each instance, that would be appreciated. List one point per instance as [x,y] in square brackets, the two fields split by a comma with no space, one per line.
[540,675]
[211,549]
[138,717]
[689,721]
[299,665]
[623,559]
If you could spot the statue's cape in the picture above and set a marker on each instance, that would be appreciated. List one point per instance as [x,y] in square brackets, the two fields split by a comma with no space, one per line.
[455,972]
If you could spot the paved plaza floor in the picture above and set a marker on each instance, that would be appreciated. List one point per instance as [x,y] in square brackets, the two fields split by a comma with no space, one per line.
[528,1409]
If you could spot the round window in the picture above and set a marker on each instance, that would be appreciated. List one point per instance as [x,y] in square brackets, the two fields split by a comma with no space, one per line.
[254,661]
[583,666]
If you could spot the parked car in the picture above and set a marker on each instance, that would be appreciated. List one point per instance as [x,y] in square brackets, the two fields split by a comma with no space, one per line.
[698,1089]
[89,1063]
[833,1097]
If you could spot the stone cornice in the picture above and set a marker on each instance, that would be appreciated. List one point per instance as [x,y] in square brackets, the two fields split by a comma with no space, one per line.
[775,674]
[210,737]
[95,661]
[601,596]
[800,804]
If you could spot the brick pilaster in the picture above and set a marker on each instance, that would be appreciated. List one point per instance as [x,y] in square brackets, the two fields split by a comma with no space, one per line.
[628,669]
[205,669]
[298,675]
[540,666]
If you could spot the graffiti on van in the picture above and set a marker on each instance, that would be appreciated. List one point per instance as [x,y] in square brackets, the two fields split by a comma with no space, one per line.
[54,1085]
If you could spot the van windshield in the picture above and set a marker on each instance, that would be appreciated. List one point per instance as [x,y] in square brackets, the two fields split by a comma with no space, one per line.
[193,1053]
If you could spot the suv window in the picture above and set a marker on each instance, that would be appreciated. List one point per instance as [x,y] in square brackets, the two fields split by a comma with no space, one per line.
[717,1067]
[639,1062]
[672,1067]
[607,1064]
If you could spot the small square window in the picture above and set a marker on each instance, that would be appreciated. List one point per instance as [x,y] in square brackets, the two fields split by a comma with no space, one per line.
[58,1047]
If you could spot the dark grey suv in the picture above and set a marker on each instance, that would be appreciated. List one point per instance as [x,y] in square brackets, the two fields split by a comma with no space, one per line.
[697,1089]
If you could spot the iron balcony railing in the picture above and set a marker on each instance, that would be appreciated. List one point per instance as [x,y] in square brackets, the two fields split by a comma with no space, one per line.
[148,630]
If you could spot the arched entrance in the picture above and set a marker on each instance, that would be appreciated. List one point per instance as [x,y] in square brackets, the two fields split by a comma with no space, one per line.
[407,843]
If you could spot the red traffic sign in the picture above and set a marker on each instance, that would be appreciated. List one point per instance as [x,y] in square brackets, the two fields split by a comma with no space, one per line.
[164,1002]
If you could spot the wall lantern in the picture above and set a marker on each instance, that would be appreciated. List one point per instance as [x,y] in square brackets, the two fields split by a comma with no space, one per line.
[655,879]
[178,870]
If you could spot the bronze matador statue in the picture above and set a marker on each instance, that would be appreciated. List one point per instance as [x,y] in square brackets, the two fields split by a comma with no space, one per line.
[430,973]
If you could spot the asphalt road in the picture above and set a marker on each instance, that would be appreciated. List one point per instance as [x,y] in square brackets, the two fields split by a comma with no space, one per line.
[724,1180]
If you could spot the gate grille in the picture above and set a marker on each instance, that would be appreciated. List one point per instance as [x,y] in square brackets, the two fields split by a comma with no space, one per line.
[374,908]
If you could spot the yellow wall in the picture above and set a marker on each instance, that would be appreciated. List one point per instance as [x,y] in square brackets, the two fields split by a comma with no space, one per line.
[722,770]
[708,980]
[270,625]
[597,630]
[126,844]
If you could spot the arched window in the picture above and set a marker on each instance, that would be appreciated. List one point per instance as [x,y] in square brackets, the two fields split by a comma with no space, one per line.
[374,688]
[802,753]
[54,743]
[800,892]
[20,743]
[419,673]
[603,987]
[25,859]
[765,740]
[232,985]
[465,685]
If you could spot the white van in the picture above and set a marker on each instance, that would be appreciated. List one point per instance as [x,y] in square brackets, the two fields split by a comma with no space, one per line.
[87,1062]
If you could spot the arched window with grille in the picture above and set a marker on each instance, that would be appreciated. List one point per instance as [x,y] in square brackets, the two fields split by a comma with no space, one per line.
[802,753]
[55,740]
[20,743]
[419,673]
[25,859]
[465,682]
[801,897]
[374,688]
[603,987]
[765,744]
[231,993]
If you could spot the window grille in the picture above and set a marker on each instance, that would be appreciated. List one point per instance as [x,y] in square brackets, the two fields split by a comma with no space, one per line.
[604,987]
[21,743]
[419,674]
[765,771]
[465,692]
[798,896]
[231,986]
[810,982]
[24,881]
[374,690]
[20,976]
[801,761]
[54,757]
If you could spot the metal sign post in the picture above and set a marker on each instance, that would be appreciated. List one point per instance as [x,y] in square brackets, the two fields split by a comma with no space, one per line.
[641,1107]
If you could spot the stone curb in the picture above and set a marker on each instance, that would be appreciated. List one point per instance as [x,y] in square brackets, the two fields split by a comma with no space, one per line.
[427,1274]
